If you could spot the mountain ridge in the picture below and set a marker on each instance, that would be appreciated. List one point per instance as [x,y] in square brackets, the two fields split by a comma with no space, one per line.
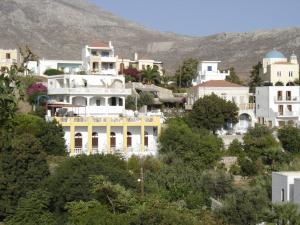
[58,29]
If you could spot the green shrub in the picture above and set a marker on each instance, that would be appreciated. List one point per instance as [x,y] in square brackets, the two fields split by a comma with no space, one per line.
[52,72]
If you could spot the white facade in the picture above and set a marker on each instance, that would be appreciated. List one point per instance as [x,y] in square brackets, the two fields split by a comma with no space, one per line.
[278,105]
[230,92]
[99,58]
[208,70]
[286,187]
[94,95]
[66,66]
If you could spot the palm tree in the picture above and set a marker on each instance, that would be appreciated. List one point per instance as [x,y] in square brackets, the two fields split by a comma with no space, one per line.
[150,76]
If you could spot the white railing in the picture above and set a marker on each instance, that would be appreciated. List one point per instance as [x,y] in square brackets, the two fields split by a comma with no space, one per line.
[90,90]
[286,99]
[78,151]
[287,114]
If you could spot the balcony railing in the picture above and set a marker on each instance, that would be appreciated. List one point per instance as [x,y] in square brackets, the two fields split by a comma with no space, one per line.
[246,106]
[89,90]
[287,114]
[154,119]
[286,99]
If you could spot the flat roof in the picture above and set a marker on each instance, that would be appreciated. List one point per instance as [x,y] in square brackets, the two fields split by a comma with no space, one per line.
[288,173]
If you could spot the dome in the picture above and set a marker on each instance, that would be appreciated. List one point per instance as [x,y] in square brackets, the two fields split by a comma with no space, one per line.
[274,55]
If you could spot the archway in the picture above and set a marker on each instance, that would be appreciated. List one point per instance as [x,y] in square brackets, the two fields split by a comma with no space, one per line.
[244,122]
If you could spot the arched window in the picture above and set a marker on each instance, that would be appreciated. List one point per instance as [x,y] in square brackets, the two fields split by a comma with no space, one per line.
[129,139]
[290,84]
[95,140]
[146,139]
[112,139]
[78,140]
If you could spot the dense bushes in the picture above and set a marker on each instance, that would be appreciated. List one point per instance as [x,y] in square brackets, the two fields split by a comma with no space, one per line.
[52,72]
[290,138]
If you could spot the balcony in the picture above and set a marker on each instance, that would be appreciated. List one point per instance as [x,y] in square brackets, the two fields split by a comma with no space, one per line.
[99,58]
[247,106]
[281,99]
[111,120]
[89,91]
[8,61]
[287,114]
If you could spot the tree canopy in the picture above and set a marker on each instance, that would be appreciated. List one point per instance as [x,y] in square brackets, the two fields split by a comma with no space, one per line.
[212,112]
[186,72]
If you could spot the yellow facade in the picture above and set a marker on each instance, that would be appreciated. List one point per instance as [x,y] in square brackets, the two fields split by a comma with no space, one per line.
[9,57]
[90,122]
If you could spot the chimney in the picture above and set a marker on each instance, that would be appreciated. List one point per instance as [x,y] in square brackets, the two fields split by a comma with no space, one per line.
[136,56]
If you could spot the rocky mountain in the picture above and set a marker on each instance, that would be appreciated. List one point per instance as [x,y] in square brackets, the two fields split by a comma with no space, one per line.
[59,28]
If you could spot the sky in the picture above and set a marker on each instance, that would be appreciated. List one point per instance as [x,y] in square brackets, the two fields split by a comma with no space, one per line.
[206,17]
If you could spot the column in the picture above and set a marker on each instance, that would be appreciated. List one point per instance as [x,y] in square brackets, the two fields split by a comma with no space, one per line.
[125,139]
[72,140]
[108,128]
[90,139]
[142,138]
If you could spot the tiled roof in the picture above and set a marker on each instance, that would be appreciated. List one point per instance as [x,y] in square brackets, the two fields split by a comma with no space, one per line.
[218,83]
[99,45]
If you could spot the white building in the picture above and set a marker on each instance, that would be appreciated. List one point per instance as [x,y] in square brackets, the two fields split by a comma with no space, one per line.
[286,187]
[91,109]
[99,58]
[208,70]
[91,95]
[229,91]
[278,103]
[67,66]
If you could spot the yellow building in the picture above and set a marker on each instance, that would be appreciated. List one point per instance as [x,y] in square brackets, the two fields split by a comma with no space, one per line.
[279,70]
[139,64]
[123,135]
[9,57]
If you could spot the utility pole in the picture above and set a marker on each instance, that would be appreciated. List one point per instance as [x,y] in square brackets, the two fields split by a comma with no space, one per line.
[180,77]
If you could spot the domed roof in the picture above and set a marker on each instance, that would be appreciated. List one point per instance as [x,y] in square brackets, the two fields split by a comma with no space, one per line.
[274,55]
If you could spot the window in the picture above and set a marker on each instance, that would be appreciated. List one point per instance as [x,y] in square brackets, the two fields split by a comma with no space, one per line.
[282,195]
[279,95]
[280,110]
[95,65]
[78,140]
[113,101]
[104,54]
[7,55]
[290,73]
[120,102]
[98,102]
[95,140]
[113,139]
[278,73]
[146,139]
[209,68]
[257,106]
[290,108]
[122,68]
[94,53]
[288,95]
[129,139]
